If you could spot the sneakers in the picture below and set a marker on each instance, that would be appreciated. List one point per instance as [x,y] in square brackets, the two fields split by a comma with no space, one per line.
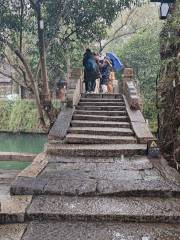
[90,92]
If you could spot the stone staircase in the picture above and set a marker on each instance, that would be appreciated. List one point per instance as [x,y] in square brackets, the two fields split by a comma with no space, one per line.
[99,120]
[95,181]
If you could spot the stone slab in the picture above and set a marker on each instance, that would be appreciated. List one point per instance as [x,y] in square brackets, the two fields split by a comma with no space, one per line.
[99,124]
[13,156]
[101,108]
[101,113]
[59,129]
[86,99]
[138,188]
[47,185]
[141,162]
[100,118]
[13,208]
[101,231]
[134,115]
[98,150]
[107,177]
[107,131]
[71,159]
[144,210]
[142,131]
[97,139]
[85,171]
[12,231]
[36,167]
[101,103]
[7,176]
[138,124]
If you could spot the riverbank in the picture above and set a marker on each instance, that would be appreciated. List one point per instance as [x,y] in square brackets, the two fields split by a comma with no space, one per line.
[15,156]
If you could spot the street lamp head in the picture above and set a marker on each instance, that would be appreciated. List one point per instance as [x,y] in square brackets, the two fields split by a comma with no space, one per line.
[41,24]
[164,10]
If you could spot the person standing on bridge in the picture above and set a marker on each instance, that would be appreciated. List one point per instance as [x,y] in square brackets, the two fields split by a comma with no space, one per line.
[91,71]
[106,67]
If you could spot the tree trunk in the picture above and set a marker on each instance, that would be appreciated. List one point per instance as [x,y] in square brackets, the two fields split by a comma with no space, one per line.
[68,63]
[34,87]
[45,95]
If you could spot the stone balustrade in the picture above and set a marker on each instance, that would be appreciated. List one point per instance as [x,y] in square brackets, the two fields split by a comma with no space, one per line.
[130,90]
[74,87]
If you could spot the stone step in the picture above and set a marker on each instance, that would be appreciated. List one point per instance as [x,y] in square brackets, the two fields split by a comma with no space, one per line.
[101,108]
[12,231]
[91,178]
[100,231]
[101,131]
[79,123]
[100,103]
[100,118]
[103,96]
[101,113]
[12,208]
[141,210]
[95,139]
[101,100]
[98,150]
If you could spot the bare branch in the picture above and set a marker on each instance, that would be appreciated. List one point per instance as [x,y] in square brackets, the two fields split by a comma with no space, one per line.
[13,79]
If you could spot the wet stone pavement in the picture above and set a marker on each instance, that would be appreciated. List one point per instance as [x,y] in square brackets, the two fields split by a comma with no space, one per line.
[95,199]
[99,231]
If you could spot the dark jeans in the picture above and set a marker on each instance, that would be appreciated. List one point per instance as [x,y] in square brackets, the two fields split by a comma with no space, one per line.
[90,85]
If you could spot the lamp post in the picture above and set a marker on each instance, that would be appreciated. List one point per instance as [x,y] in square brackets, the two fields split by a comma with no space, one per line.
[164,8]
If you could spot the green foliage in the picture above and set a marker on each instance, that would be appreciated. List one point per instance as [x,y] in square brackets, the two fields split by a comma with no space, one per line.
[17,116]
[141,52]
[21,115]
[68,25]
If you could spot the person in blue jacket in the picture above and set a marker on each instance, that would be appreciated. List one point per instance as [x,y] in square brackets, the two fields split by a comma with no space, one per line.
[105,69]
[91,71]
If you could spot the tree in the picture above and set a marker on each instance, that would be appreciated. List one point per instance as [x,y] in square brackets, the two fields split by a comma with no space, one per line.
[65,21]
[141,52]
[169,88]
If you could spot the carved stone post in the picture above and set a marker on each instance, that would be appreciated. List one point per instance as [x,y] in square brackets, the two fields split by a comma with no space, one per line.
[130,89]
[74,87]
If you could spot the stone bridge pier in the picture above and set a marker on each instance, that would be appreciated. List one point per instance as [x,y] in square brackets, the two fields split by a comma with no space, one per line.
[94,180]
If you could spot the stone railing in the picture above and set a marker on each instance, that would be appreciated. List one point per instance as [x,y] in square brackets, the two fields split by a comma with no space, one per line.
[130,89]
[132,99]
[73,94]
[74,87]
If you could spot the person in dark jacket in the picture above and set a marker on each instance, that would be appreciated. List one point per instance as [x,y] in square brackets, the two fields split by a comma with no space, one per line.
[91,71]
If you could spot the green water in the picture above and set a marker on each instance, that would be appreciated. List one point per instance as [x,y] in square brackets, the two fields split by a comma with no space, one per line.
[13,165]
[27,143]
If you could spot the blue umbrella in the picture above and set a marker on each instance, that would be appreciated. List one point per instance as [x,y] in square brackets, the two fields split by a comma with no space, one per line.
[116,62]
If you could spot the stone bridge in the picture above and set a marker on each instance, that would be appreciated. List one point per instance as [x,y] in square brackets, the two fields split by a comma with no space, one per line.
[94,180]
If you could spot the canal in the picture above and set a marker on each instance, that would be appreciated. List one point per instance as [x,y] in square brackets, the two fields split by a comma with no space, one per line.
[27,143]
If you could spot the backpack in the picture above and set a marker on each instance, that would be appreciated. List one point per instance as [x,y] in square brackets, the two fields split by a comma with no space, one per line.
[90,65]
